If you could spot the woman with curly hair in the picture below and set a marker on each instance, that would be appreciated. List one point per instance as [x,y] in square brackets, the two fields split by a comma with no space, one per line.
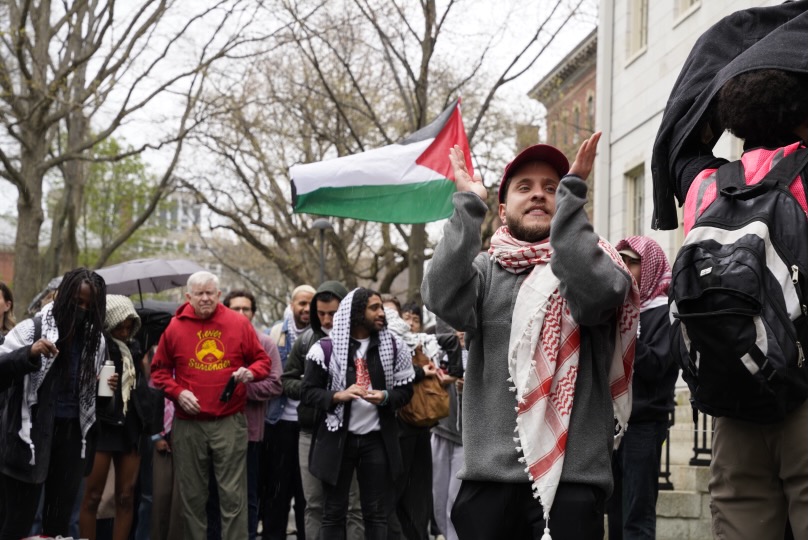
[45,440]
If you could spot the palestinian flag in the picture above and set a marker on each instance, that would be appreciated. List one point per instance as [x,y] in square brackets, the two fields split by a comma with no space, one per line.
[407,182]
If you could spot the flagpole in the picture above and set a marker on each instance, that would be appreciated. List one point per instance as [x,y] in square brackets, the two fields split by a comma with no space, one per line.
[322,224]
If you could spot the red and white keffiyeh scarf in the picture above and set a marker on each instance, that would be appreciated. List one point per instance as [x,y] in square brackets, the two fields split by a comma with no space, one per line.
[654,269]
[543,356]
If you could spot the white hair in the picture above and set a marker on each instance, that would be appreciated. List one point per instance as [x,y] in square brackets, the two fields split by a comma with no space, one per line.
[202,277]
[303,289]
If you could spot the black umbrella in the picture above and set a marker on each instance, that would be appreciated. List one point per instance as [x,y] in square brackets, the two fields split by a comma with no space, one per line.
[147,275]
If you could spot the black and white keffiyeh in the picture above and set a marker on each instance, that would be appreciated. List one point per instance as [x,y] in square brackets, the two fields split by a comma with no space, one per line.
[401,328]
[397,371]
[22,336]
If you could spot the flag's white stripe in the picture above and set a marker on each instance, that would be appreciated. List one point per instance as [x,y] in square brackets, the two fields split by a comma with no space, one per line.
[393,164]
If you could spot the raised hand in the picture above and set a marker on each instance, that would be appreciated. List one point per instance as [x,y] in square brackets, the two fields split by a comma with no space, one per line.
[463,180]
[586,157]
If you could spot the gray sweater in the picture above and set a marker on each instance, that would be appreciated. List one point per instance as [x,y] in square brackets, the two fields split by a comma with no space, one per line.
[473,293]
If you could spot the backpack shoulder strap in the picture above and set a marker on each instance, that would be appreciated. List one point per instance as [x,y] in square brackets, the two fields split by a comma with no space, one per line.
[37,327]
[730,175]
[788,167]
[327,346]
[731,181]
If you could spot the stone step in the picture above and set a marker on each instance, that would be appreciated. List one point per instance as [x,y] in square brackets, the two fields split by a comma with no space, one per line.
[683,529]
[683,504]
[680,454]
[689,478]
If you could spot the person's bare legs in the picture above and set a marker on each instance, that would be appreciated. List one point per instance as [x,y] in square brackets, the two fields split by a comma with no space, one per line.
[126,471]
[93,491]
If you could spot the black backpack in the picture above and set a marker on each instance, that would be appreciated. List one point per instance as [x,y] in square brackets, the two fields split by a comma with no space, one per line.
[737,299]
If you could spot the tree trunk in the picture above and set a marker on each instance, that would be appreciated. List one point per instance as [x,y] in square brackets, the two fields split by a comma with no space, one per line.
[416,262]
[27,261]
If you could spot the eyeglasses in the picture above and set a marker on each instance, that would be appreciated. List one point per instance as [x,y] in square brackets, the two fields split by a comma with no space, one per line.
[242,309]
[202,294]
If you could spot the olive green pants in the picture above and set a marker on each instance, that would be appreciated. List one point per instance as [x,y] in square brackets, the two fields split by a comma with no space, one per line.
[222,442]
[759,478]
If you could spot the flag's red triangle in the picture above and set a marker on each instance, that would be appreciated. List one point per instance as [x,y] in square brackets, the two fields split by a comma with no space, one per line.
[436,156]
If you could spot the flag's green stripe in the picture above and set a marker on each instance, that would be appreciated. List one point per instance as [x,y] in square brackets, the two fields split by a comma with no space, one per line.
[409,203]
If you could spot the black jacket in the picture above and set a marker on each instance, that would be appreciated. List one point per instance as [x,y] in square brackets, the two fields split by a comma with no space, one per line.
[15,365]
[655,370]
[325,458]
[293,372]
[14,453]
[142,399]
[758,38]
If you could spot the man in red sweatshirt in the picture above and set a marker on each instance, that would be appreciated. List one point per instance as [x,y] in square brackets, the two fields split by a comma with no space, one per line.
[204,346]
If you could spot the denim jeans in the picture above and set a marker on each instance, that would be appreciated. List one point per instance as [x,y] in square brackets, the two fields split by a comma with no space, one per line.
[632,507]
[366,455]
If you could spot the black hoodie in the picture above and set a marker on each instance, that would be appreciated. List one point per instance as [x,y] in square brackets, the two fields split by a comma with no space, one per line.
[758,38]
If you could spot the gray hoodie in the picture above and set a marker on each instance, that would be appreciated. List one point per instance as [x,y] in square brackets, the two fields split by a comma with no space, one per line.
[473,293]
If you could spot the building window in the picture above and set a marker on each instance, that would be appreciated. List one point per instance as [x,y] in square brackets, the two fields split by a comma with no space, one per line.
[576,124]
[637,27]
[590,112]
[635,191]
[683,8]
[565,128]
[554,134]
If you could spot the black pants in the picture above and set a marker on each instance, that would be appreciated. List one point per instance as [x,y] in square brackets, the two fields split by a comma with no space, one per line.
[414,486]
[366,455]
[61,487]
[500,511]
[283,481]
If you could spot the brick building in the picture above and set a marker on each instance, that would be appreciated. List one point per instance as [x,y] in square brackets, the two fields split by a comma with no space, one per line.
[6,264]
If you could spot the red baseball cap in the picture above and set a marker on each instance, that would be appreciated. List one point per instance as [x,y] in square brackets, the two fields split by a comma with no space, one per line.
[538,152]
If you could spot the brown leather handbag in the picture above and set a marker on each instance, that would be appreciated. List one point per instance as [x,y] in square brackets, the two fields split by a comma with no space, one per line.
[430,400]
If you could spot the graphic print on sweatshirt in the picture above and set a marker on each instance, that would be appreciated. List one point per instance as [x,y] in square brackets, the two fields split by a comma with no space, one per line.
[209,352]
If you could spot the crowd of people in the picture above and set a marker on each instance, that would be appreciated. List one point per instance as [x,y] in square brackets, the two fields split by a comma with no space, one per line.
[347,410]
[536,404]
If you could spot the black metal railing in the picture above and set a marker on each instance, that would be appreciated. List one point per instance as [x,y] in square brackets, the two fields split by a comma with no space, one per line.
[703,426]
[665,483]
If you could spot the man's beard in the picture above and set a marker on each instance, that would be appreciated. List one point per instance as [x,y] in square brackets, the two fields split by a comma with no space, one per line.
[529,234]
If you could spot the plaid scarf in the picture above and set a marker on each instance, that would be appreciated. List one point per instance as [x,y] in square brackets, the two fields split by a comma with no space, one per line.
[543,356]
[654,269]
[397,371]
